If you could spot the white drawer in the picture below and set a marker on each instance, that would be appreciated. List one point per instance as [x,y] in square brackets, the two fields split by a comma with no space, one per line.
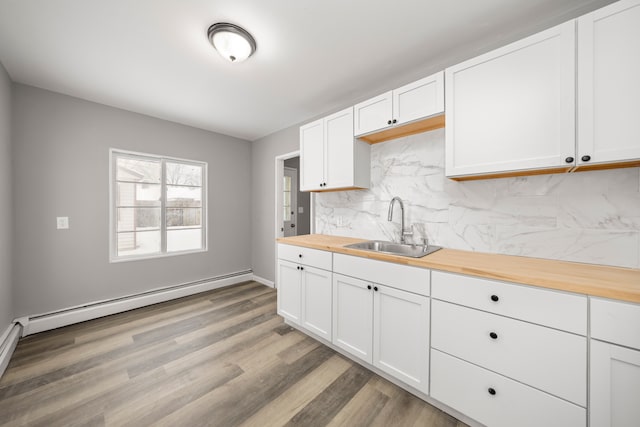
[616,322]
[465,388]
[549,308]
[407,278]
[307,256]
[544,358]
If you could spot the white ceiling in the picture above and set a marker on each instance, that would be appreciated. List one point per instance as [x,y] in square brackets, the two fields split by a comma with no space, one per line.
[313,57]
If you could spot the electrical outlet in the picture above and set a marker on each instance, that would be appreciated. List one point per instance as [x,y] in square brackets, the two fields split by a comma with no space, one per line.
[62,222]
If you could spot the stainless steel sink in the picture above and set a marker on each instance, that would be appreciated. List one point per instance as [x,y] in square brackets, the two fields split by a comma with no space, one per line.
[402,249]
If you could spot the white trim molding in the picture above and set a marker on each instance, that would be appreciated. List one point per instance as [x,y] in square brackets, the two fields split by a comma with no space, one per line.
[266,282]
[8,342]
[71,315]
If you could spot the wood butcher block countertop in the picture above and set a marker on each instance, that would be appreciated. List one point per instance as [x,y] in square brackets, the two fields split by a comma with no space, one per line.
[596,280]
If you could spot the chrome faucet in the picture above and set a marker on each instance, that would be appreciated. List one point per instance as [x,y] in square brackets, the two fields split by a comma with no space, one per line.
[403,233]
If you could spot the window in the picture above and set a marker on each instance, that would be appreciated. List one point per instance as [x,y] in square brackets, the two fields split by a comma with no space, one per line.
[158,206]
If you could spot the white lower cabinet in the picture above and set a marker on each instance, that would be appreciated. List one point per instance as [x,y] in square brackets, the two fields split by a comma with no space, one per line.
[304,297]
[615,364]
[401,335]
[506,354]
[495,400]
[383,326]
[316,301]
[615,386]
[352,316]
[304,290]
[544,358]
[289,291]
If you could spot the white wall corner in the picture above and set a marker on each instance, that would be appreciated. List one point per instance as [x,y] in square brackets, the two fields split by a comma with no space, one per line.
[24,321]
[264,281]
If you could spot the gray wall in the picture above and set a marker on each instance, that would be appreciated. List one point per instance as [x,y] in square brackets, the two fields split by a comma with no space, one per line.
[6,226]
[263,154]
[61,160]
[303,225]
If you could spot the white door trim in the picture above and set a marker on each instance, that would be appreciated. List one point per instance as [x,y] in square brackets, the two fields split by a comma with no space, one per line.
[279,173]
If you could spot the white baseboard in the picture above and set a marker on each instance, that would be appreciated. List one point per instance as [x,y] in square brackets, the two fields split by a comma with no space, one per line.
[8,341]
[264,281]
[69,316]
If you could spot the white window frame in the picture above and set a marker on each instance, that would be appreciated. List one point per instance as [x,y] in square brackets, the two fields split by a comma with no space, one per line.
[113,243]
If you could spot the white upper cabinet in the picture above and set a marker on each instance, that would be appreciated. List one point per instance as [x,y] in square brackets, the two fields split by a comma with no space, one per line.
[608,85]
[312,155]
[513,109]
[412,102]
[419,99]
[374,114]
[330,157]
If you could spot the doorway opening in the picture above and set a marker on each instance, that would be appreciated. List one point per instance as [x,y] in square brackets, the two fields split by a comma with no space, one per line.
[293,207]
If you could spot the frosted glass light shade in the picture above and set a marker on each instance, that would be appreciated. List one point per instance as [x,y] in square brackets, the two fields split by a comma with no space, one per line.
[232,42]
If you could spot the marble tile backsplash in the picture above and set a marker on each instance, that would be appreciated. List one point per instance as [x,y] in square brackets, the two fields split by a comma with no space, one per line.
[591,217]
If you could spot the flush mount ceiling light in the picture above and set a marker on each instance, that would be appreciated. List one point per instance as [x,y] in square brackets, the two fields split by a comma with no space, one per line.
[232,42]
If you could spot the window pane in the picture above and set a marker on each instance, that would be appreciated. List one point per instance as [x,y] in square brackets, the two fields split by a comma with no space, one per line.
[130,194]
[183,217]
[182,174]
[138,170]
[178,196]
[286,183]
[142,242]
[137,219]
[287,198]
[183,240]
[286,213]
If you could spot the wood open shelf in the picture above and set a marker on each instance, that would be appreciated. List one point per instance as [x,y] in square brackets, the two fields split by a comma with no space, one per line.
[430,123]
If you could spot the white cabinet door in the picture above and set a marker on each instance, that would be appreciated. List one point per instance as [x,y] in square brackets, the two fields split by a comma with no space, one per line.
[608,86]
[312,156]
[401,335]
[419,99]
[289,291]
[353,316]
[330,157]
[339,150]
[316,301]
[615,386]
[513,109]
[373,114]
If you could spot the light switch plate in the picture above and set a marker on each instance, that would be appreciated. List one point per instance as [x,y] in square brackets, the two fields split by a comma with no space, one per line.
[62,222]
[300,210]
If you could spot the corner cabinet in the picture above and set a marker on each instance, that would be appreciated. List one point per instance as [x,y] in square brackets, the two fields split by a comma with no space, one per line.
[330,157]
[615,364]
[609,87]
[383,324]
[387,116]
[513,109]
[304,288]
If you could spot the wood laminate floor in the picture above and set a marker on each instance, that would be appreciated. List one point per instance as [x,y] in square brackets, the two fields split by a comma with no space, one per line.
[220,358]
